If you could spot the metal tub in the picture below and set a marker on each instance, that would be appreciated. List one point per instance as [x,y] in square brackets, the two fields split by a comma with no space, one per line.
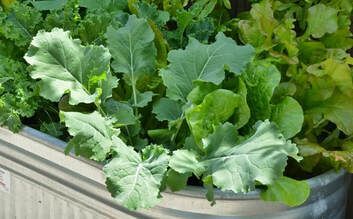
[37,181]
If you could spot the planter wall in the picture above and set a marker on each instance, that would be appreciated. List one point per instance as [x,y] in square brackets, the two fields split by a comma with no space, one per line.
[46,184]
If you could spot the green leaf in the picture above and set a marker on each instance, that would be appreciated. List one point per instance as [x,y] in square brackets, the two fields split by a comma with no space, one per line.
[133,50]
[134,180]
[167,109]
[121,113]
[186,162]
[208,64]
[237,166]
[321,19]
[150,11]
[177,181]
[49,4]
[92,134]
[65,66]
[208,184]
[215,109]
[52,128]
[337,109]
[142,99]
[20,23]
[288,191]
[289,116]
[109,5]
[92,28]
[261,79]
[197,95]
[242,113]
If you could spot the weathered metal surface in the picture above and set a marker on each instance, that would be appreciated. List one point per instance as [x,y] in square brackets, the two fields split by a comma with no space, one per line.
[46,184]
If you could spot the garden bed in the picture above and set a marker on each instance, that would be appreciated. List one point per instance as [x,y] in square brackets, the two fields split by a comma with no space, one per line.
[164,95]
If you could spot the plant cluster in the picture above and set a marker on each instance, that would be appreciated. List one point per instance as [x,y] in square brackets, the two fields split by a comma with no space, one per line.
[167,92]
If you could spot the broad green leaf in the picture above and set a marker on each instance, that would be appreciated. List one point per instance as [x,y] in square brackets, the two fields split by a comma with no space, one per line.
[283,90]
[312,52]
[121,113]
[289,116]
[261,79]
[177,181]
[109,5]
[288,191]
[321,19]
[92,134]
[186,162]
[340,39]
[49,4]
[201,89]
[63,65]
[340,73]
[167,109]
[204,63]
[134,180]
[133,51]
[337,109]
[238,166]
[215,109]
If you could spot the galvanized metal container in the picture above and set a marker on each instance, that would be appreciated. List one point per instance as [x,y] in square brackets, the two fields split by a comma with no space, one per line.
[37,181]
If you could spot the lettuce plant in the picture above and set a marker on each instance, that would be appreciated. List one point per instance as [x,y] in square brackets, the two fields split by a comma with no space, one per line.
[166,93]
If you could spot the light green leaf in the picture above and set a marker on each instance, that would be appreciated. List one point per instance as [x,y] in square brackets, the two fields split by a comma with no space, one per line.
[63,65]
[237,166]
[133,50]
[186,161]
[201,89]
[134,180]
[288,191]
[261,79]
[92,134]
[289,116]
[215,109]
[321,19]
[203,62]
[167,109]
[242,113]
